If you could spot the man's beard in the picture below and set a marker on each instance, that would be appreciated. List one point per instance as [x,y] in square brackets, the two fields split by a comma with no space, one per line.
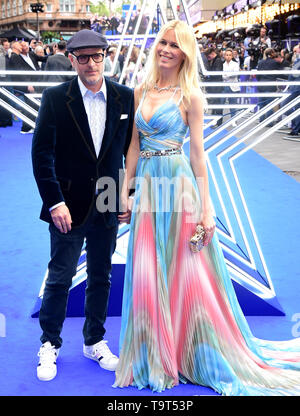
[95,81]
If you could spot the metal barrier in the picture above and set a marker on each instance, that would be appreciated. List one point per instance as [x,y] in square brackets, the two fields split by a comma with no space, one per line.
[223,146]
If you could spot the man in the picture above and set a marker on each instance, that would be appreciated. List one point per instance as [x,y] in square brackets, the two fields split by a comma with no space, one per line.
[238,56]
[248,39]
[16,49]
[19,60]
[6,45]
[122,56]
[29,57]
[230,65]
[268,64]
[28,63]
[5,115]
[294,90]
[114,23]
[51,49]
[108,64]
[33,44]
[215,63]
[263,39]
[82,133]
[283,63]
[59,62]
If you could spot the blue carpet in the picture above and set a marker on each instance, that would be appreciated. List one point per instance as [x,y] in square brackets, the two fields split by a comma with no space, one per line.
[274,203]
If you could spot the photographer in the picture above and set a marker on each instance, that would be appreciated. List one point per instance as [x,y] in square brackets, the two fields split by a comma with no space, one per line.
[215,63]
[250,36]
[263,39]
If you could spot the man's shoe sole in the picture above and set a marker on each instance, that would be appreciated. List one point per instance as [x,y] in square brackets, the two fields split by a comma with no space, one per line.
[48,378]
[91,357]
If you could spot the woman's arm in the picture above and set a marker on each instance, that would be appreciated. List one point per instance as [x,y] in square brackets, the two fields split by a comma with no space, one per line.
[130,164]
[198,162]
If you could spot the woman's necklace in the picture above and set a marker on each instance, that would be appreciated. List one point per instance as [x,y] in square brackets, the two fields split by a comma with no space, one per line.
[156,87]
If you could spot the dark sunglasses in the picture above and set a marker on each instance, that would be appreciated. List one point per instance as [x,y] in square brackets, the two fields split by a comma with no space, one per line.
[84,59]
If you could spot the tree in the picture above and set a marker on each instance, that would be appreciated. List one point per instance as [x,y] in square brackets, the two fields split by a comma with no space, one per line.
[100,9]
[50,36]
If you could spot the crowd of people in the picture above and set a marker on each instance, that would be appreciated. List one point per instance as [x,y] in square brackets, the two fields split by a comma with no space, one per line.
[114,24]
[250,53]
[181,320]
[34,55]
[253,51]
[22,55]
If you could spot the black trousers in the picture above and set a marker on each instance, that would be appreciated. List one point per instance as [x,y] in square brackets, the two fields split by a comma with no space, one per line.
[217,101]
[25,126]
[65,253]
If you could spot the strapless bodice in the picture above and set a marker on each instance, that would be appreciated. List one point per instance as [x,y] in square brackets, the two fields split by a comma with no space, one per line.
[165,129]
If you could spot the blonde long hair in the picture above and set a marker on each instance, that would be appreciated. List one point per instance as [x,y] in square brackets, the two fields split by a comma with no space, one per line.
[188,72]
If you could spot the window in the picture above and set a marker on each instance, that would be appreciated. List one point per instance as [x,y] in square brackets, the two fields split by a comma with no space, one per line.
[14,8]
[87,8]
[49,7]
[20,5]
[8,9]
[67,6]
[3,11]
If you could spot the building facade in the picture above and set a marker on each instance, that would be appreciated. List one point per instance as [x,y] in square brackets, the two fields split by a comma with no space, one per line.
[62,16]
[203,10]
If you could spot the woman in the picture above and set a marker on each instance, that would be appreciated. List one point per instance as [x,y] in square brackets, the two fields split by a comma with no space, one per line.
[131,65]
[180,318]
[39,51]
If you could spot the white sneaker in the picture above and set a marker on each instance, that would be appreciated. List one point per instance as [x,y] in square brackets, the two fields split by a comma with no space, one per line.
[46,369]
[101,353]
[233,124]
[31,131]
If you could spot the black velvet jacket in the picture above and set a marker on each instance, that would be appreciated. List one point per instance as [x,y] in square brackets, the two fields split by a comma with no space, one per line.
[65,164]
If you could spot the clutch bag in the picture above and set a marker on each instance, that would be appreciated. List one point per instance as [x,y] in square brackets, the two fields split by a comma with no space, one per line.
[196,241]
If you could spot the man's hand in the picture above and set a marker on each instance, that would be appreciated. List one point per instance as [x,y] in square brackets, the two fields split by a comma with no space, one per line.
[30,89]
[61,218]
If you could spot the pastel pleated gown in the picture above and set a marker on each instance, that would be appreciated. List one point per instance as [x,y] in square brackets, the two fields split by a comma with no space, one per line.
[181,321]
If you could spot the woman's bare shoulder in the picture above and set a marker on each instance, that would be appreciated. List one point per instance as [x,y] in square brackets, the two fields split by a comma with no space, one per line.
[197,96]
[197,101]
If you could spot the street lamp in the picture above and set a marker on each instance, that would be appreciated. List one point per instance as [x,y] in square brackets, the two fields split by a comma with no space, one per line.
[37,8]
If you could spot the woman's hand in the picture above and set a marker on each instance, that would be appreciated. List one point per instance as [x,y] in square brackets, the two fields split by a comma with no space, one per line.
[209,225]
[127,209]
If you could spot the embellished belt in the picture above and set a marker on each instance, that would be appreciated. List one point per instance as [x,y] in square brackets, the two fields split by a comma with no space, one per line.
[148,153]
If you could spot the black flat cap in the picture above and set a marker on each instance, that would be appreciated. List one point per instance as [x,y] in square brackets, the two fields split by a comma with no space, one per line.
[86,38]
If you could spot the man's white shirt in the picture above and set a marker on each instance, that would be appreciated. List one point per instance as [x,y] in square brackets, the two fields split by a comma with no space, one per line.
[28,60]
[232,66]
[95,107]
